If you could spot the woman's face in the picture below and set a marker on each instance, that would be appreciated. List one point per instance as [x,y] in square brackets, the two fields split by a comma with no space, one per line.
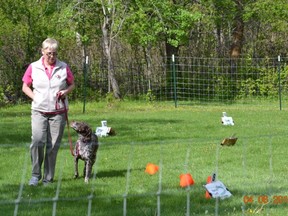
[50,56]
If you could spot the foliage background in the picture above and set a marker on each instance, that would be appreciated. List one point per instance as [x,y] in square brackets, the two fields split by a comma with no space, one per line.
[132,38]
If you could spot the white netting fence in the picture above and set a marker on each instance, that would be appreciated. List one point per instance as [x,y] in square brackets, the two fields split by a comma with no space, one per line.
[163,198]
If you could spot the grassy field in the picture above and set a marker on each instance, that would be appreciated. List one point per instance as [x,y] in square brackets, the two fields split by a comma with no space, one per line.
[180,140]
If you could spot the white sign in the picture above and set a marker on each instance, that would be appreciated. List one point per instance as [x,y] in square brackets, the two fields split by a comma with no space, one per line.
[103,130]
[226,120]
[218,190]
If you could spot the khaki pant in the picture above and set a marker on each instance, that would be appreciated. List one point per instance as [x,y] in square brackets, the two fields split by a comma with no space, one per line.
[47,132]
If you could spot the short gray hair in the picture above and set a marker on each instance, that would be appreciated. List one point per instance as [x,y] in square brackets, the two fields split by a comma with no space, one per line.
[50,43]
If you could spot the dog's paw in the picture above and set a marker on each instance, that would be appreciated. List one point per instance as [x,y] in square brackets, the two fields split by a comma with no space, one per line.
[76,176]
[86,180]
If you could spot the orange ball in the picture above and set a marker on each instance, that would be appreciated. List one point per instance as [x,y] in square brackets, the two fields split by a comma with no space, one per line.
[151,168]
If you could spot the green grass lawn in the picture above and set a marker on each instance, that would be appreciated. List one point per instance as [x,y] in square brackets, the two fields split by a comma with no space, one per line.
[180,140]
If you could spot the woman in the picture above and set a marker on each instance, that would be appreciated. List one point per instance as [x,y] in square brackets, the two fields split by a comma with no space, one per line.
[51,81]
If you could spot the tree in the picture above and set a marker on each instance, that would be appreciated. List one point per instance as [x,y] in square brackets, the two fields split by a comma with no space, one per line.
[164,24]
[154,22]
[268,24]
[25,26]
[110,29]
[238,30]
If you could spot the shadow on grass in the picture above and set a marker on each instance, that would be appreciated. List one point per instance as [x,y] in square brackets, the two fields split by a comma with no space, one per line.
[111,173]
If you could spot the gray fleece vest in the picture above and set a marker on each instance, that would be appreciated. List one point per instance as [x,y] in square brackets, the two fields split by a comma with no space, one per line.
[45,89]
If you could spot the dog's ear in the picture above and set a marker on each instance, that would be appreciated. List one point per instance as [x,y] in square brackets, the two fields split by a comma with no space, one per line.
[82,127]
[88,128]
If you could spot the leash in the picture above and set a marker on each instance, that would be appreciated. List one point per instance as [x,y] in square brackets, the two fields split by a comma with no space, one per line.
[67,121]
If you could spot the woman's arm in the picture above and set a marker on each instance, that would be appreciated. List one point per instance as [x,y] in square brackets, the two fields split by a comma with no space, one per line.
[28,91]
[65,92]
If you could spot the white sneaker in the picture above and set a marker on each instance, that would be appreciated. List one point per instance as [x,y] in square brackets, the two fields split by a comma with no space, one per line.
[33,181]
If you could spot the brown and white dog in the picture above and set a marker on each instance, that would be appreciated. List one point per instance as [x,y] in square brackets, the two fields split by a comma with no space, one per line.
[85,149]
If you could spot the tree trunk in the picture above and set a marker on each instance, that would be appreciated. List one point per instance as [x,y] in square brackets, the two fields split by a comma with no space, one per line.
[107,46]
[148,59]
[238,31]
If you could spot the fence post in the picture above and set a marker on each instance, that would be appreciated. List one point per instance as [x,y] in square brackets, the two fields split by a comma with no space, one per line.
[279,82]
[174,80]
[85,80]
